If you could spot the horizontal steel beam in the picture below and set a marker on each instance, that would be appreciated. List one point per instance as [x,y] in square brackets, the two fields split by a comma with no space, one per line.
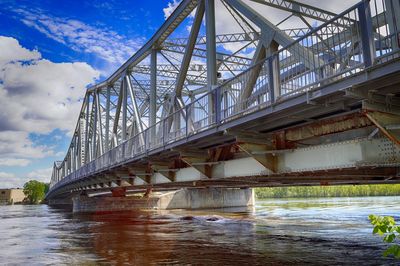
[341,156]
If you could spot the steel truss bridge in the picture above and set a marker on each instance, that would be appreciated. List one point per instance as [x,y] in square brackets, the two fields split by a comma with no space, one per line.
[267,105]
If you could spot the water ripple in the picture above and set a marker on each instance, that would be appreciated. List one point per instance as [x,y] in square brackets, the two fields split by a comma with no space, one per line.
[277,232]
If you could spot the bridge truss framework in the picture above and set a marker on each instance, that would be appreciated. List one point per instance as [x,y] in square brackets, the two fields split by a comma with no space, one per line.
[306,105]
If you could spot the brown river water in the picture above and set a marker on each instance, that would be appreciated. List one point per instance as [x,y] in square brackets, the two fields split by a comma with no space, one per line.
[333,231]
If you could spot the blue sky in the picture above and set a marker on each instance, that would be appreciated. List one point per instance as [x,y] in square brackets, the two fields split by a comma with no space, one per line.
[50,51]
[133,21]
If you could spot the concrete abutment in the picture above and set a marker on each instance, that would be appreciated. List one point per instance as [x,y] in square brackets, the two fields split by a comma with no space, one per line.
[199,198]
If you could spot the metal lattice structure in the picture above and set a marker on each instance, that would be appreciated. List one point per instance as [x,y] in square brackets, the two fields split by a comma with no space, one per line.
[175,91]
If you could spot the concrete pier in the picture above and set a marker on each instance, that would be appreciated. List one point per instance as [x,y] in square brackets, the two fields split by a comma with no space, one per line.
[203,198]
[59,202]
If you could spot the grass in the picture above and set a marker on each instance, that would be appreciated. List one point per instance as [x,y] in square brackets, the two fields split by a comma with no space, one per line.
[328,191]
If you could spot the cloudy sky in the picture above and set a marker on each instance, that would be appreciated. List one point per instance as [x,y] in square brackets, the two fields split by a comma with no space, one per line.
[50,52]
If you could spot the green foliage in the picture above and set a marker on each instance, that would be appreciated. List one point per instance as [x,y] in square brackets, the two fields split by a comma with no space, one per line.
[329,191]
[35,191]
[46,187]
[387,228]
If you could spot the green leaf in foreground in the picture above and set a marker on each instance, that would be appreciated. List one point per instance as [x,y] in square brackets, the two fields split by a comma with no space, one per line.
[386,227]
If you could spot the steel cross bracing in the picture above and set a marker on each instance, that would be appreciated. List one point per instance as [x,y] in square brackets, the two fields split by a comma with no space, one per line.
[173,89]
[234,37]
[300,9]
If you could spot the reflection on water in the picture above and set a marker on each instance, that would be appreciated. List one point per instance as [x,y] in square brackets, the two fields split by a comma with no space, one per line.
[276,232]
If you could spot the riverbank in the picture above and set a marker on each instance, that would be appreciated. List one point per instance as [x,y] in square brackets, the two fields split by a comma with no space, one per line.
[328,191]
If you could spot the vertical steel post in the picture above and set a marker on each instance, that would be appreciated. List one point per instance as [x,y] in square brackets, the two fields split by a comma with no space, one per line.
[367,38]
[124,109]
[100,124]
[71,158]
[153,88]
[210,44]
[217,104]
[226,104]
[107,133]
[211,55]
[68,163]
[87,129]
[153,96]
[94,127]
[73,155]
[164,133]
[63,169]
[274,80]
[76,152]
[393,19]
[187,119]
[79,156]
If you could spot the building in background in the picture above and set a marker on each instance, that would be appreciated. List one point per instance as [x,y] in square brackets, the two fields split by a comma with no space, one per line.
[11,196]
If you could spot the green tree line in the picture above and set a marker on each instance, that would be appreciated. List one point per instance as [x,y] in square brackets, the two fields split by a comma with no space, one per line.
[35,191]
[328,191]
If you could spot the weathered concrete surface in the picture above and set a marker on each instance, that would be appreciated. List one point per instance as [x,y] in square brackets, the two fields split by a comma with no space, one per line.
[105,204]
[60,202]
[207,198]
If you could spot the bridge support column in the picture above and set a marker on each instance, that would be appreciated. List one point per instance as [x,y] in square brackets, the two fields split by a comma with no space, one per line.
[206,198]
[198,198]
[60,203]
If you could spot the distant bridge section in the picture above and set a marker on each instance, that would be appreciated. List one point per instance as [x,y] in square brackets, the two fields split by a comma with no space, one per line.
[267,105]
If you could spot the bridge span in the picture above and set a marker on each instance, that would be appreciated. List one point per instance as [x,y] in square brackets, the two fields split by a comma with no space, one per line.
[268,105]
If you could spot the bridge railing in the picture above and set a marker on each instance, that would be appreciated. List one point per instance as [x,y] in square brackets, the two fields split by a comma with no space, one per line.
[386,25]
[245,93]
[366,34]
[332,52]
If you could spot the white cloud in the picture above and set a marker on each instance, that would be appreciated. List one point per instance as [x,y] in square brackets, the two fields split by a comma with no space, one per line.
[15,146]
[13,52]
[104,43]
[170,8]
[335,6]
[39,96]
[9,180]
[57,137]
[42,175]
[14,162]
[36,96]
[6,175]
